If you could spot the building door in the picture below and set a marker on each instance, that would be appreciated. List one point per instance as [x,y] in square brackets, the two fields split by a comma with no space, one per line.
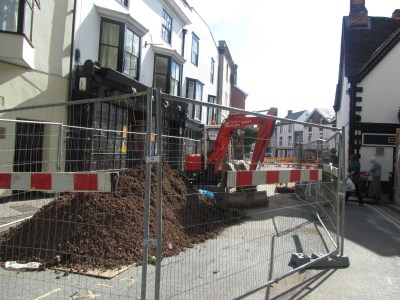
[28,147]
[28,155]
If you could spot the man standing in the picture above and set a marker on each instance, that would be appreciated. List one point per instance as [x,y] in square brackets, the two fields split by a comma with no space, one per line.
[375,189]
[354,174]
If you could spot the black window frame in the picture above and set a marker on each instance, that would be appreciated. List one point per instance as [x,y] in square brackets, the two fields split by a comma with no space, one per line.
[166,27]
[126,52]
[121,58]
[212,112]
[124,2]
[21,25]
[192,108]
[195,51]
[168,75]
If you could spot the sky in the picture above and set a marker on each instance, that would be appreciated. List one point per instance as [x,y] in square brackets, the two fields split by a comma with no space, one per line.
[287,51]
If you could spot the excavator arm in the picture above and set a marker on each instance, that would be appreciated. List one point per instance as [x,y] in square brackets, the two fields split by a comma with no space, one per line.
[238,121]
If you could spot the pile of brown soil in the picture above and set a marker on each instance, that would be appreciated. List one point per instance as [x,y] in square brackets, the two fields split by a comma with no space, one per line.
[105,230]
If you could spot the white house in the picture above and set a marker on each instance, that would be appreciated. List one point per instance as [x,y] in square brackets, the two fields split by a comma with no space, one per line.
[320,116]
[367,95]
[287,134]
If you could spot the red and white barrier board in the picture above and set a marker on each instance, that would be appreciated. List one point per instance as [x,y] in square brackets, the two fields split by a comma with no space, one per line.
[60,182]
[251,178]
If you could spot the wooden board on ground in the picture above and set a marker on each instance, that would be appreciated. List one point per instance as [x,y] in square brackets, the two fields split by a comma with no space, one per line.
[106,274]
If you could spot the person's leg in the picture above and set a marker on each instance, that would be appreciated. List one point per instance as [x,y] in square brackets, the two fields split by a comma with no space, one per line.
[346,197]
[358,193]
[377,187]
[371,192]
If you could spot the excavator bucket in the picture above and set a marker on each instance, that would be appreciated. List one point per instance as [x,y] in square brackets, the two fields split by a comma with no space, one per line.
[238,198]
[247,199]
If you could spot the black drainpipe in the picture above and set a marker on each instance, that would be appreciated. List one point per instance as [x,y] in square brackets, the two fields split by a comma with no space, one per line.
[184,32]
[353,94]
[71,56]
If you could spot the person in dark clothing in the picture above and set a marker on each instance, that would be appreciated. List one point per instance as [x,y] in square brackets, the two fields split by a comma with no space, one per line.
[354,174]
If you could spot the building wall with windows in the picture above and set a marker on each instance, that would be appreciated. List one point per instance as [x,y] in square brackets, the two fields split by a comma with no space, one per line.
[35,39]
[287,134]
[366,100]
[225,67]
[34,59]
[201,67]
[319,116]
[171,47]
[162,44]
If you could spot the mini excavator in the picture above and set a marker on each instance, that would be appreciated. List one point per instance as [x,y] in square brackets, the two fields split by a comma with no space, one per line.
[207,170]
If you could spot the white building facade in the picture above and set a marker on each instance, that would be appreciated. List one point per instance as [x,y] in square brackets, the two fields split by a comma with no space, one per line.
[366,103]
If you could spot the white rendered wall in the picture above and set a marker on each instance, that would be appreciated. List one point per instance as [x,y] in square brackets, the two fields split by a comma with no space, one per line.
[381,90]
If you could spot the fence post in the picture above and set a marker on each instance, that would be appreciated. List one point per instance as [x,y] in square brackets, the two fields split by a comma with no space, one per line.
[146,240]
[341,176]
[159,193]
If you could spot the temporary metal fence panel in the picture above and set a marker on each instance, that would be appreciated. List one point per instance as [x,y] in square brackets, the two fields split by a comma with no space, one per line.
[63,205]
[239,235]
[160,229]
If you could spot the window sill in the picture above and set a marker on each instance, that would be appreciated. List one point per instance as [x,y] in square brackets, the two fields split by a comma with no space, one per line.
[16,50]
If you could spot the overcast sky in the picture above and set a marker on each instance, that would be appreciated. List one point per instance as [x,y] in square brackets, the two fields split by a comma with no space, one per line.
[287,51]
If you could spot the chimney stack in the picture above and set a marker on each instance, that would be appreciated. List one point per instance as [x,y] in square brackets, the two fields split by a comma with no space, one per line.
[289,112]
[396,14]
[358,13]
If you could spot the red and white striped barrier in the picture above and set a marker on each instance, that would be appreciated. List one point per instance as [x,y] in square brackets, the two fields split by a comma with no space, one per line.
[251,178]
[60,182]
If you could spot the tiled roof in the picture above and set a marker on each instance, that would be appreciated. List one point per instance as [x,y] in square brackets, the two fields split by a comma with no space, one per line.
[363,45]
[363,48]
[327,113]
[292,116]
[295,115]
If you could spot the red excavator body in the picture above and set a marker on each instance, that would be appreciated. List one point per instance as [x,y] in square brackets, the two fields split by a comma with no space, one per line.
[195,162]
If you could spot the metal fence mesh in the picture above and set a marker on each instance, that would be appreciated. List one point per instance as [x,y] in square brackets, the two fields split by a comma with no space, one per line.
[84,241]
[164,231]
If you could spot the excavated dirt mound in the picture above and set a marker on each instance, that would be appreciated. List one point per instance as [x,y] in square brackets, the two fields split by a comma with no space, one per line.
[84,231]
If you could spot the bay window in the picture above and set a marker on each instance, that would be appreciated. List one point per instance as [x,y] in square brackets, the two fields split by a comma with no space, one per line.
[17,16]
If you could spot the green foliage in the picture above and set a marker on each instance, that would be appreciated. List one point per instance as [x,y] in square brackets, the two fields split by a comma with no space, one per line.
[250,135]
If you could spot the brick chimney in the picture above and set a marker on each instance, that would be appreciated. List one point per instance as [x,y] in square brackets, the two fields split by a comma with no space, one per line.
[358,13]
[396,14]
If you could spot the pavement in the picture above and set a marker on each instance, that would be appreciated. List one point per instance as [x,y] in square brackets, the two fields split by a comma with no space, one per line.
[13,212]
